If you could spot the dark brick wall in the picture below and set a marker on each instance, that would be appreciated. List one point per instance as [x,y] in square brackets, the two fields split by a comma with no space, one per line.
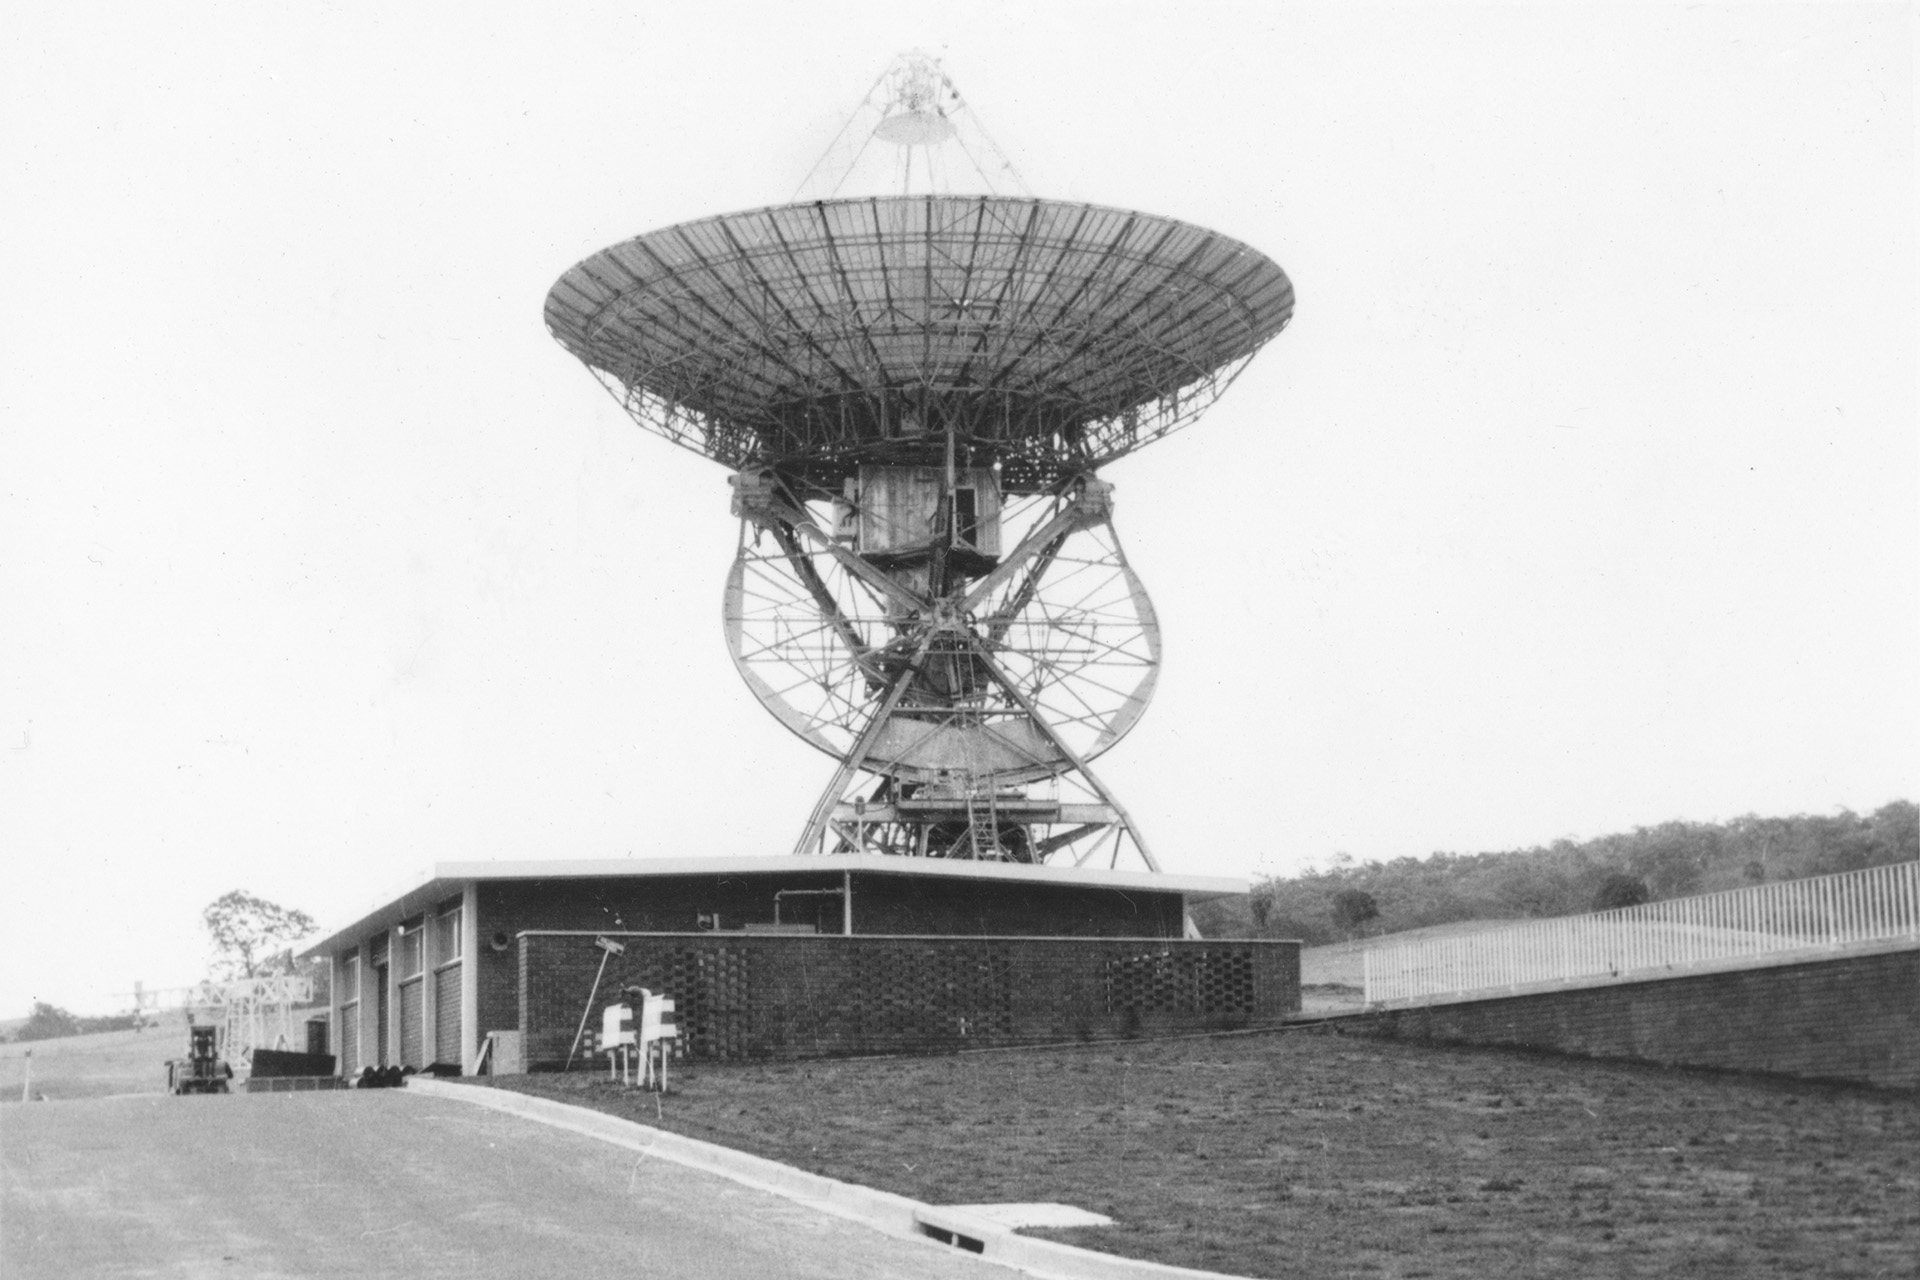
[744,996]
[1855,1018]
[900,905]
[655,904]
[881,905]
[497,974]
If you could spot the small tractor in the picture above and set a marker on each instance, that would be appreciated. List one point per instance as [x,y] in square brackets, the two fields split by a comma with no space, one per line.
[202,1070]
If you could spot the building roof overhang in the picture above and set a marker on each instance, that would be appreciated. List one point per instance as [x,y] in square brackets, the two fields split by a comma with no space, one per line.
[449,878]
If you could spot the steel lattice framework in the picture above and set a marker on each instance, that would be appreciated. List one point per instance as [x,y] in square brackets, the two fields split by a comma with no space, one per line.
[916,393]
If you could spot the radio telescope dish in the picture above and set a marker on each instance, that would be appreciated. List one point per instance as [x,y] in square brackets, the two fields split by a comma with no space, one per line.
[915,393]
[1052,337]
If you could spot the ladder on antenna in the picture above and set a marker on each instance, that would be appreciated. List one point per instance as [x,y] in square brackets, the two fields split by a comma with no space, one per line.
[983,830]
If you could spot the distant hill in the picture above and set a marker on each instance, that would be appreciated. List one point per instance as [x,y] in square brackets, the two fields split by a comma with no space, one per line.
[1672,860]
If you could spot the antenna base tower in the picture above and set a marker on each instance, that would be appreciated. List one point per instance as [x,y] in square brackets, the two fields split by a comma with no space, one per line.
[864,813]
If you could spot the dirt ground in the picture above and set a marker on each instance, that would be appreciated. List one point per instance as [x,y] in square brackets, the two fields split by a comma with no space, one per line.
[1308,1153]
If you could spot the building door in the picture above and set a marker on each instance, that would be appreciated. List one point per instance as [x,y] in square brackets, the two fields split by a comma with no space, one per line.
[413,1027]
[380,1033]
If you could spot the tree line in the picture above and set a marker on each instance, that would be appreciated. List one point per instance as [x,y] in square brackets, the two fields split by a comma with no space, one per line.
[51,1022]
[1671,860]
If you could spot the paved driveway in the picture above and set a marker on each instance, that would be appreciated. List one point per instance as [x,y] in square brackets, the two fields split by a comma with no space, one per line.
[371,1184]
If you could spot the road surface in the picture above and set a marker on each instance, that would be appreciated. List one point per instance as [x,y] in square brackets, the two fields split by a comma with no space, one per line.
[369,1184]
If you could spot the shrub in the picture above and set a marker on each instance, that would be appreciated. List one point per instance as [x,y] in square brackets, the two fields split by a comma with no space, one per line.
[48,1022]
[1620,890]
[1353,908]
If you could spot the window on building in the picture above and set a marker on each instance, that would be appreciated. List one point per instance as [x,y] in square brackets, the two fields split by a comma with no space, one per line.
[412,935]
[448,931]
[350,980]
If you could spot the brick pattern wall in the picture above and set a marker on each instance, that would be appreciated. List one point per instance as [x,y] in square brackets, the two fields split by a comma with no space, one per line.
[882,905]
[446,1014]
[1854,1018]
[742,996]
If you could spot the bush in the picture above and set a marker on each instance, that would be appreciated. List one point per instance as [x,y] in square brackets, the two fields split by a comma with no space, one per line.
[48,1022]
[1260,905]
[1618,891]
[1353,908]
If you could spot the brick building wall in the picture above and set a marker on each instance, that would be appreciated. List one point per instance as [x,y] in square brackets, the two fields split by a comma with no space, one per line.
[902,905]
[1850,1018]
[764,996]
[882,905]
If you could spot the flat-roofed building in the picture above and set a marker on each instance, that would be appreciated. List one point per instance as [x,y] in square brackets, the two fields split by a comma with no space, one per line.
[789,957]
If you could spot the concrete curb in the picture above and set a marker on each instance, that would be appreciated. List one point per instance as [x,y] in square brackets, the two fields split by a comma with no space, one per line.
[881,1210]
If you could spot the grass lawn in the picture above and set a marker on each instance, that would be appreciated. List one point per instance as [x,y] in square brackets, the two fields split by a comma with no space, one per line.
[95,1065]
[1308,1153]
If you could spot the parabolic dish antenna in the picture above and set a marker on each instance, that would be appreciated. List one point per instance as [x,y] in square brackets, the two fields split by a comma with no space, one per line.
[915,392]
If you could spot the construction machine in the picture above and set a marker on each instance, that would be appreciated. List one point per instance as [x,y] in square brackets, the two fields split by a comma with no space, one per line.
[202,1070]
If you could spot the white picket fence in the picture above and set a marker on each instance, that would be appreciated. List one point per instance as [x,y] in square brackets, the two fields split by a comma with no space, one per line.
[1713,930]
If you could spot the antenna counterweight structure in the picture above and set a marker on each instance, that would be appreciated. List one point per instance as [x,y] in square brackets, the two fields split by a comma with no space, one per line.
[916,393]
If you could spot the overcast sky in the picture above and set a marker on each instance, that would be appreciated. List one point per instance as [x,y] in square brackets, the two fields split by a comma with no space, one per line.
[1582,493]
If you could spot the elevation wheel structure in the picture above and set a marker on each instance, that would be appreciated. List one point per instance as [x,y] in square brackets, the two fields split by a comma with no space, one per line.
[955,714]
[1067,627]
[916,394]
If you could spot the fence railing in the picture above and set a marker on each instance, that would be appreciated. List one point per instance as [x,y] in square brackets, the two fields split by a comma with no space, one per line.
[1700,933]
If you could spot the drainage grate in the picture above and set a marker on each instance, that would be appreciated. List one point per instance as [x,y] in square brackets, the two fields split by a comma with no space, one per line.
[954,1238]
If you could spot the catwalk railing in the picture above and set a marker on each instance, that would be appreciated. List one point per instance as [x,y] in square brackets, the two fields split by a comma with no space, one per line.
[1714,930]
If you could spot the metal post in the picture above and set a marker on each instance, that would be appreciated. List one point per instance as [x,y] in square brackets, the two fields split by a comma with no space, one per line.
[610,949]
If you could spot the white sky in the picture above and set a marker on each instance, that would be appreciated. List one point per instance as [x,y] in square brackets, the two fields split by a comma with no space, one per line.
[1580,495]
